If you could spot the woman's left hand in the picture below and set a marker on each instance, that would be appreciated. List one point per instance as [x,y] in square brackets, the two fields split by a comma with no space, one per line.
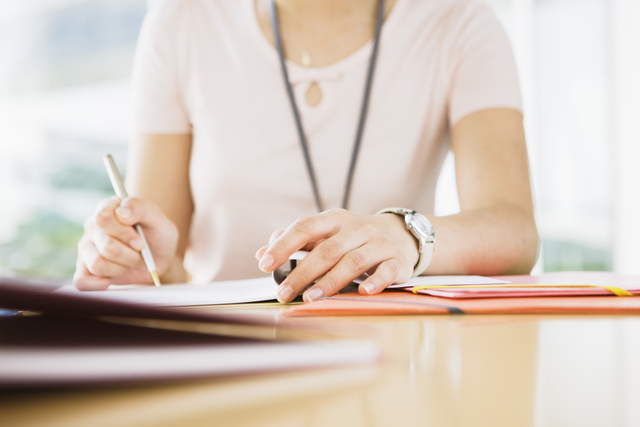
[343,245]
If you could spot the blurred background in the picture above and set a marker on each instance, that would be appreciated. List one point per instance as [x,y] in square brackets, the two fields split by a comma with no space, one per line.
[64,102]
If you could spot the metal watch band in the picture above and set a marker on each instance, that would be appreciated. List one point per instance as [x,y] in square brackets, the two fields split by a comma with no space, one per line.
[426,243]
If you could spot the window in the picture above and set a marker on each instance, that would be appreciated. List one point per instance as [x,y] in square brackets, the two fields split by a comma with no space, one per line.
[64,95]
[563,50]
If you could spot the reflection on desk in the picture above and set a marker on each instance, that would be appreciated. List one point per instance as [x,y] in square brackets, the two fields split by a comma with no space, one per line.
[436,371]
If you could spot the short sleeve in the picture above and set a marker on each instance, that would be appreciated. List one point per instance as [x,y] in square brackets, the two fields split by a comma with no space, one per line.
[483,68]
[158,101]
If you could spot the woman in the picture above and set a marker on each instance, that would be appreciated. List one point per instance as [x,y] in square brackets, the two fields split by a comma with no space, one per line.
[219,160]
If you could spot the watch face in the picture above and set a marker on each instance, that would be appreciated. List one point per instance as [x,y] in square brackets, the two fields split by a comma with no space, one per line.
[422,225]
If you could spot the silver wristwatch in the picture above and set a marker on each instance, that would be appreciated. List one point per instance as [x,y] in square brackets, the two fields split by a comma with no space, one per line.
[422,229]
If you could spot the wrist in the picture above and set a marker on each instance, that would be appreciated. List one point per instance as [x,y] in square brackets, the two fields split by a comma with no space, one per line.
[422,230]
[405,238]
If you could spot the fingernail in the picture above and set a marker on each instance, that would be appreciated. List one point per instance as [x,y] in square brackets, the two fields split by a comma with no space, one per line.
[314,294]
[265,263]
[123,212]
[258,257]
[284,293]
[369,287]
[136,244]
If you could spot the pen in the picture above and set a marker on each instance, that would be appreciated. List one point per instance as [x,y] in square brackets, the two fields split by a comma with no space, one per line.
[121,192]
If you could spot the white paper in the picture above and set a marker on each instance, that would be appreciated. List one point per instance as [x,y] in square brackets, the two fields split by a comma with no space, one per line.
[449,280]
[180,295]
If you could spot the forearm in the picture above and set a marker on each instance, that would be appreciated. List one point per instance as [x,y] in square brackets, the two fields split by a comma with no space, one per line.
[158,171]
[500,239]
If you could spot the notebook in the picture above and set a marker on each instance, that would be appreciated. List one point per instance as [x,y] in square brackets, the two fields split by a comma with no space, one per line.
[182,295]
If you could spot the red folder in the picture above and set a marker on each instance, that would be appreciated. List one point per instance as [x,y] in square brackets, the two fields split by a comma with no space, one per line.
[402,302]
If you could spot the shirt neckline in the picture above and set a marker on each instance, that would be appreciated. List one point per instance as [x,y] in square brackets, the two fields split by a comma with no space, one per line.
[297,72]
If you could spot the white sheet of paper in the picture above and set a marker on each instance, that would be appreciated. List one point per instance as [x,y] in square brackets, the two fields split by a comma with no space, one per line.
[448,280]
[180,295]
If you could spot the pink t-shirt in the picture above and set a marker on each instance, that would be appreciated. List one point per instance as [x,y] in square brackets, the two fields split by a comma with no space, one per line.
[204,67]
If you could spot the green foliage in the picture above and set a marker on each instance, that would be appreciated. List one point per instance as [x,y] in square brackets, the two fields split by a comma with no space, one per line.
[45,247]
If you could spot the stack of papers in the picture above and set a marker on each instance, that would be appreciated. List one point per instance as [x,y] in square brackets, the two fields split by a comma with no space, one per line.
[449,281]
[549,285]
[459,287]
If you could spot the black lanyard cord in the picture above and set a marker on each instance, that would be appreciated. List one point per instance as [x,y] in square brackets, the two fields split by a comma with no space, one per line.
[363,111]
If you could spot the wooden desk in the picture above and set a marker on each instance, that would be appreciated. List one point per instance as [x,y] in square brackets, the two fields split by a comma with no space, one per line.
[436,371]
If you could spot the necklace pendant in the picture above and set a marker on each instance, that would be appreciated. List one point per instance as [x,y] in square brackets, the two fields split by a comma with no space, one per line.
[306,59]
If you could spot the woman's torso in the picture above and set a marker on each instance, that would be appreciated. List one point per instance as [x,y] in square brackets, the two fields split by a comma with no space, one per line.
[248,176]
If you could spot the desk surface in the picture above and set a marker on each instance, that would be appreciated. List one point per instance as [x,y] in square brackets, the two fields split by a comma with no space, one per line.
[436,371]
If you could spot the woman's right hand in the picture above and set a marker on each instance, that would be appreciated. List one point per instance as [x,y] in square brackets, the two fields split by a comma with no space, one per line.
[109,250]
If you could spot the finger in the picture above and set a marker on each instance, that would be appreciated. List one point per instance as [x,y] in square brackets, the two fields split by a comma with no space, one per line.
[96,264]
[298,234]
[273,237]
[352,265]
[106,202]
[320,260]
[158,227]
[105,219]
[133,210]
[85,281]
[308,247]
[386,274]
[114,250]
